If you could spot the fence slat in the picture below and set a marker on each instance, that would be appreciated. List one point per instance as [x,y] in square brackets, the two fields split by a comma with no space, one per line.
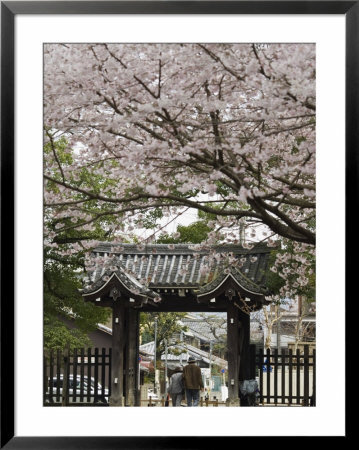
[298,377]
[65,380]
[290,376]
[283,378]
[268,366]
[74,376]
[306,375]
[103,372]
[261,361]
[88,375]
[51,383]
[96,376]
[45,379]
[276,376]
[109,373]
[58,373]
[314,380]
[82,374]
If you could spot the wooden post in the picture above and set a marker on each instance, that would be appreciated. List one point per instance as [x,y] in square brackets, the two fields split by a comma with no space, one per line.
[103,373]
[244,354]
[74,376]
[52,377]
[233,354]
[65,380]
[58,373]
[118,325]
[290,375]
[314,380]
[268,372]
[261,363]
[131,356]
[252,361]
[283,377]
[45,386]
[306,375]
[298,377]
[82,375]
[276,375]
[89,366]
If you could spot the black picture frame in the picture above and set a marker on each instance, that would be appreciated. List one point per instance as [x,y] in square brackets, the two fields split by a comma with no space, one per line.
[9,10]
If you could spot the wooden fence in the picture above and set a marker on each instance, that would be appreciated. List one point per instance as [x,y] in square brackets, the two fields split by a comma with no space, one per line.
[285,378]
[81,377]
[77,377]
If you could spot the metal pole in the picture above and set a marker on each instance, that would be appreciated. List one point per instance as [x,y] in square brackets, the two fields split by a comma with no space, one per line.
[155,353]
[165,366]
[278,334]
[181,340]
[210,365]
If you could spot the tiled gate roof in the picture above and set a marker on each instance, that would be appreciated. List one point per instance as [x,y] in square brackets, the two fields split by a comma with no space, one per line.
[146,269]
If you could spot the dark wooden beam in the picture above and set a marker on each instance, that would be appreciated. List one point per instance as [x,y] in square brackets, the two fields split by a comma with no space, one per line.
[244,341]
[131,356]
[233,353]
[118,341]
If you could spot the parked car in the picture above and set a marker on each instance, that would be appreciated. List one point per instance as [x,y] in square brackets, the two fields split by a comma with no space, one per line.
[102,393]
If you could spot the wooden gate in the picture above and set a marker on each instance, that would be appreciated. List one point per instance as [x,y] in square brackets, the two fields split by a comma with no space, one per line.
[77,377]
[284,378]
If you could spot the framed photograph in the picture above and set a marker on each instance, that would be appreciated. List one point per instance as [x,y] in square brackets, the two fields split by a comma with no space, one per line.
[31,33]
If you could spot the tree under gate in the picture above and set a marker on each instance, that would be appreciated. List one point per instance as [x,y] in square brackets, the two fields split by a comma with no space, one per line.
[164,278]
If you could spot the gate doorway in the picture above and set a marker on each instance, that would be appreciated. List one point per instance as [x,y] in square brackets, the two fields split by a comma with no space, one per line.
[168,340]
[175,278]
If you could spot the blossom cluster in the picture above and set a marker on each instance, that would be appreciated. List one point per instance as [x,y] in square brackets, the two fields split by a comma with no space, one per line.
[228,129]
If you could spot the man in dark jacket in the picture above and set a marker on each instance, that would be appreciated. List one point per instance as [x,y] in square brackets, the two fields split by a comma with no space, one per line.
[193,382]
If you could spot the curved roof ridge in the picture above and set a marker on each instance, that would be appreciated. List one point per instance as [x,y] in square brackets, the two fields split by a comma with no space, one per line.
[238,276]
[129,281]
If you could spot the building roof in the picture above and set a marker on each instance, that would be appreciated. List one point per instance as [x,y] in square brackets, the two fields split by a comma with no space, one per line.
[143,271]
[187,351]
[201,328]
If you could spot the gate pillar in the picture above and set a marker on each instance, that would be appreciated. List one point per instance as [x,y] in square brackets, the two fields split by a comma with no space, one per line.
[238,340]
[132,355]
[233,354]
[244,346]
[118,348]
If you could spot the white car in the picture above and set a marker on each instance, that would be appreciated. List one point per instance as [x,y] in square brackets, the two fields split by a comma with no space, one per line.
[102,394]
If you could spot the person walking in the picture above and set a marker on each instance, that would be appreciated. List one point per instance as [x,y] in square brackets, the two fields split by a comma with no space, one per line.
[176,386]
[193,382]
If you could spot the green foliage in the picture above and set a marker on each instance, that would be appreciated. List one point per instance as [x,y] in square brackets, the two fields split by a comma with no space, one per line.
[63,300]
[194,233]
[62,274]
[149,219]
[58,336]
[168,324]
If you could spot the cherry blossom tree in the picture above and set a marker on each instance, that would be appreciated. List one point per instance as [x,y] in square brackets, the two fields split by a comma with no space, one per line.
[227,129]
